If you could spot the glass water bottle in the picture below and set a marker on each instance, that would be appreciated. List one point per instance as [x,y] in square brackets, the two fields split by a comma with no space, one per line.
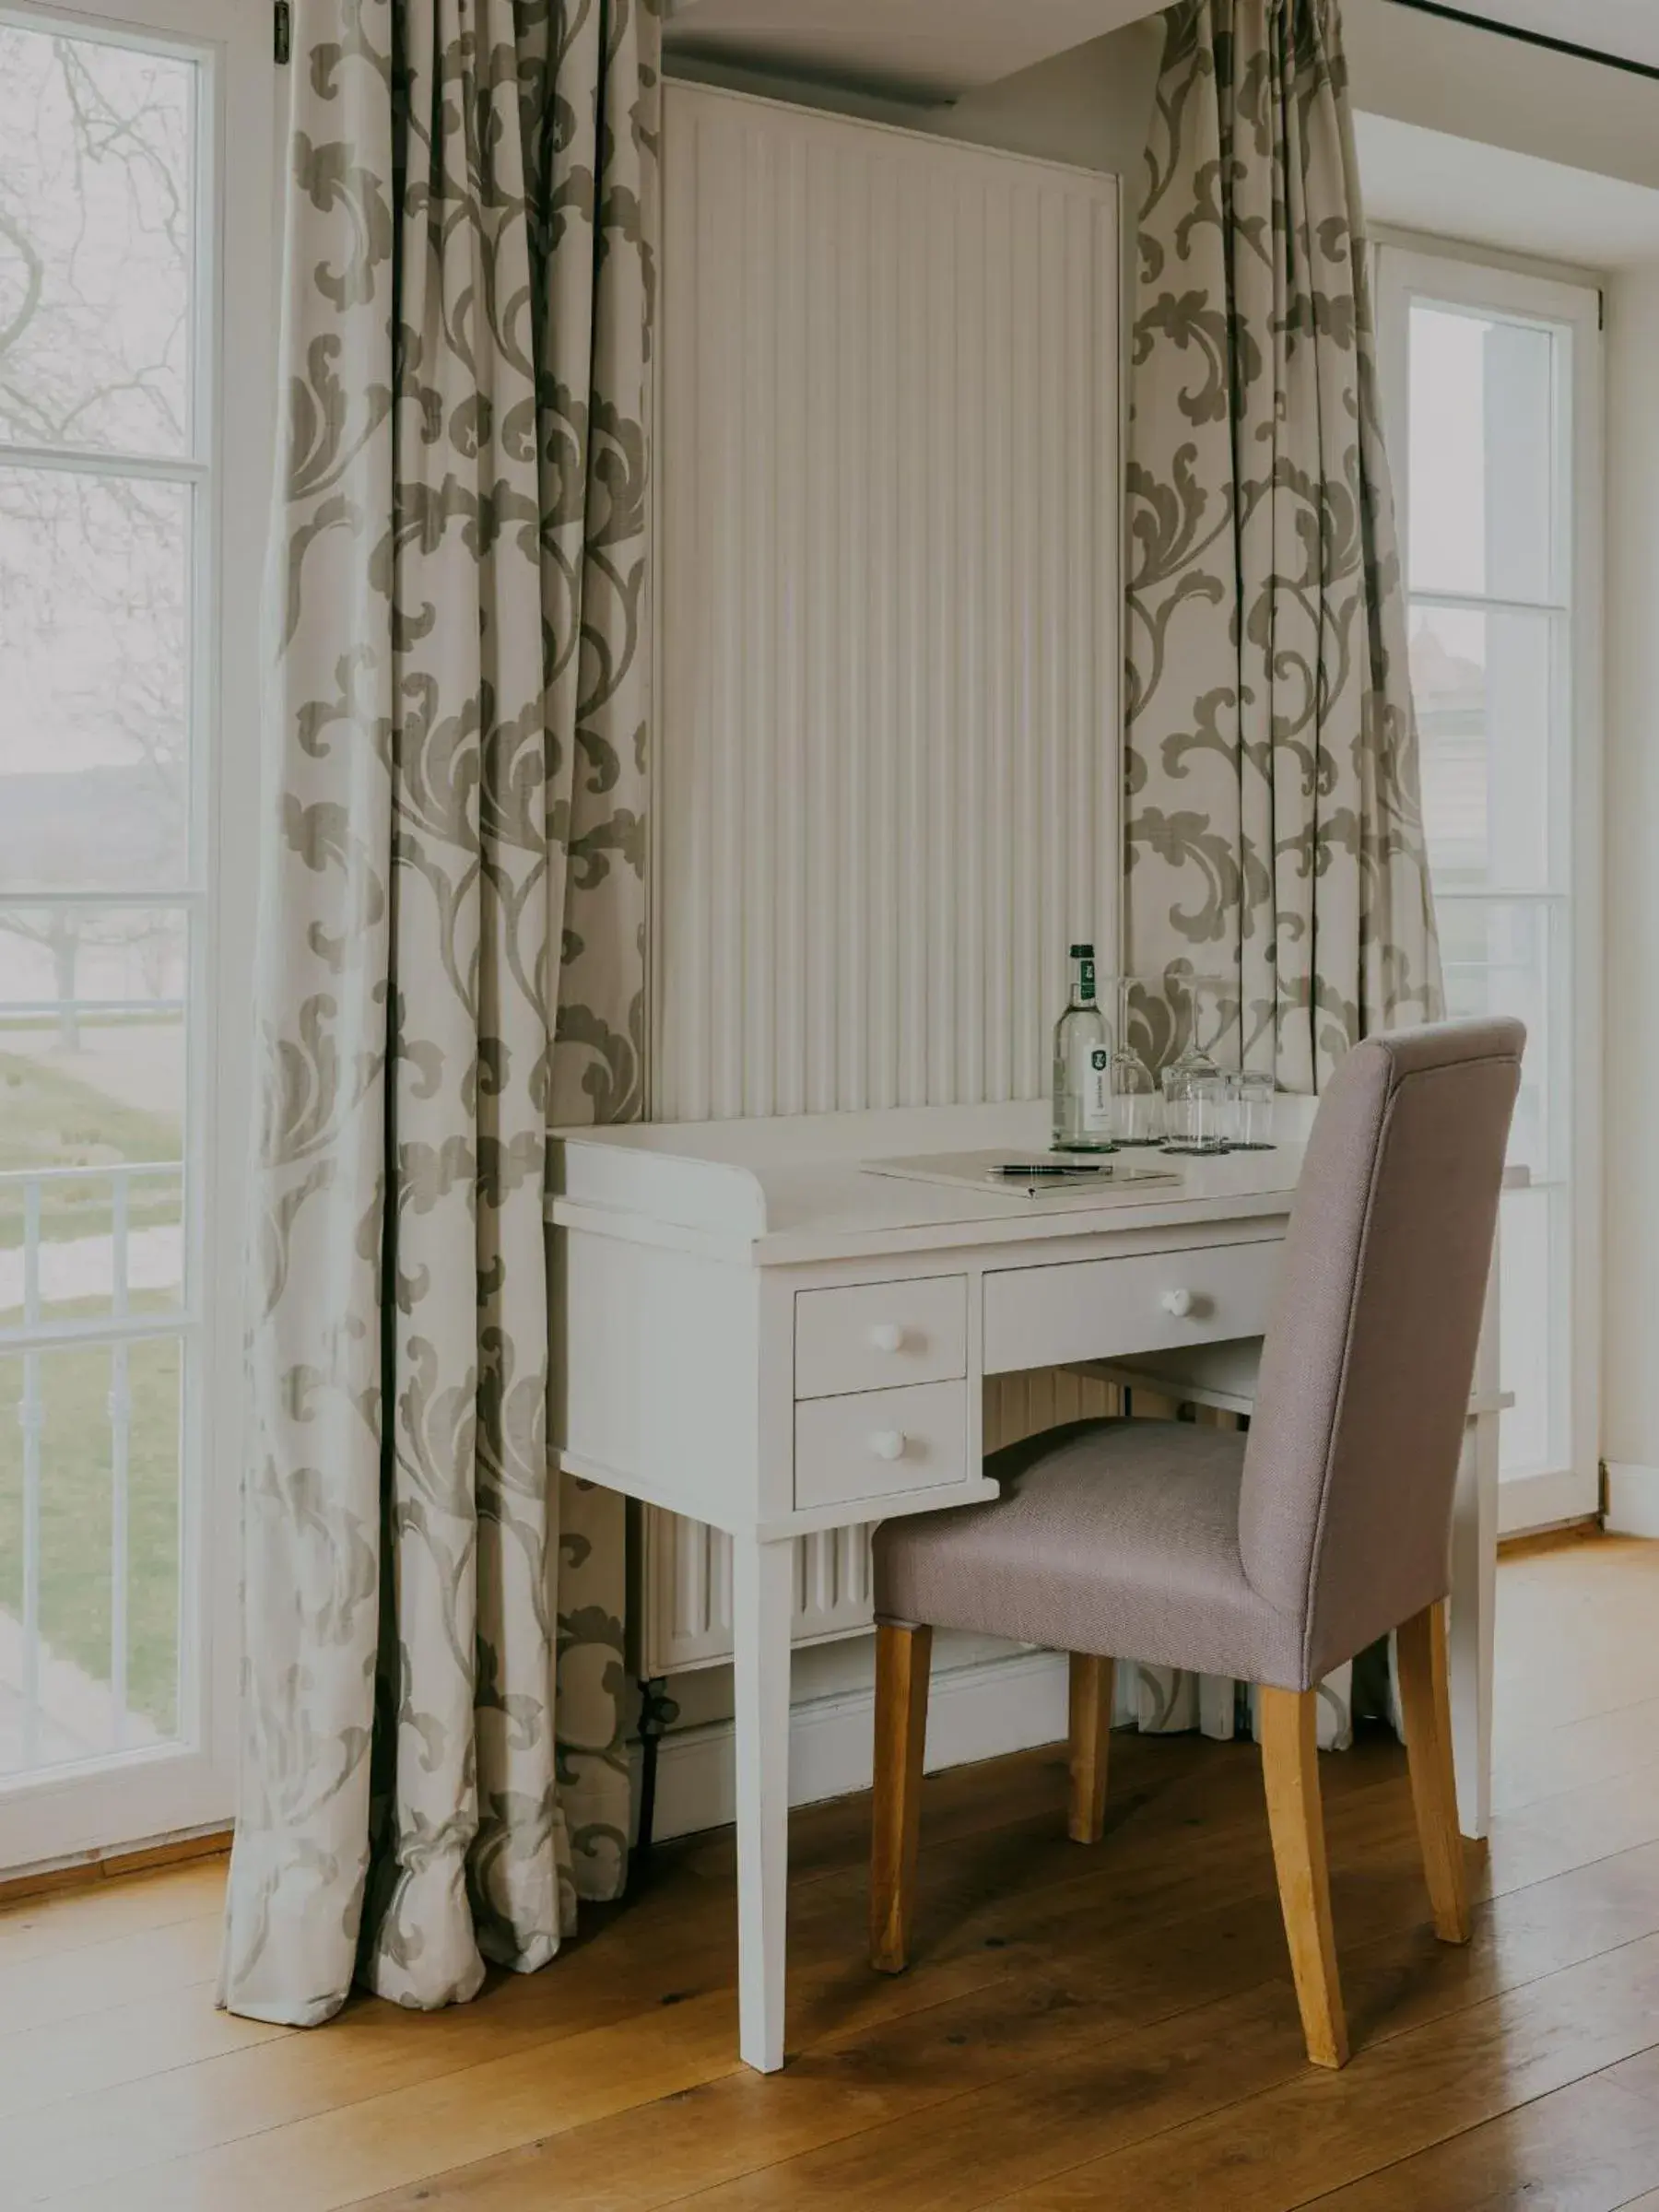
[1082,1065]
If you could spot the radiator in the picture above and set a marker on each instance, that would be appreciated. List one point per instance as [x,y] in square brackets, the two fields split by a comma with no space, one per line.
[683,1585]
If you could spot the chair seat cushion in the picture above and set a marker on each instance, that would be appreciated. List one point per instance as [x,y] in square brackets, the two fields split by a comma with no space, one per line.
[1114,1537]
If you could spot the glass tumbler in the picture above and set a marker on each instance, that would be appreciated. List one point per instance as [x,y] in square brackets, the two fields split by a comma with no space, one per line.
[1197,1110]
[1250,1112]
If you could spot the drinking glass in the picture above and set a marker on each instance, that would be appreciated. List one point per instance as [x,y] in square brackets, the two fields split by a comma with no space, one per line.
[1194,1089]
[1136,1105]
[1250,1112]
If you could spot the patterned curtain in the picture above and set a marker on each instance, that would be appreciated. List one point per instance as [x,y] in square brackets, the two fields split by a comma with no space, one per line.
[1273,825]
[452,957]
[1275,833]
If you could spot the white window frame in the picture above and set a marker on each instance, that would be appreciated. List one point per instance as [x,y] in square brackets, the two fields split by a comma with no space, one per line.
[1451,276]
[187,1785]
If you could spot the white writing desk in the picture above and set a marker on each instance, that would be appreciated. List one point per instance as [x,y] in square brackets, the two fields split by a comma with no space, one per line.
[753,1331]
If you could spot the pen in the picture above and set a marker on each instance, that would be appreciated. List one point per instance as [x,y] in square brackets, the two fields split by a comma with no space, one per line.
[1052,1167]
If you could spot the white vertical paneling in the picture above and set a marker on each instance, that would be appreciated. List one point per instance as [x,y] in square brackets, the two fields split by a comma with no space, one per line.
[887,757]
[887,770]
[1022,1406]
[686,1620]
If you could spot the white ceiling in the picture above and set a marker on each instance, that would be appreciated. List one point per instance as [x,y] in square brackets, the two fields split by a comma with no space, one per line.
[935,48]
[1626,27]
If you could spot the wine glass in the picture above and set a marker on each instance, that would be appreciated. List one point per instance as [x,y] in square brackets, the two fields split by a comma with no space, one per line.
[1136,1103]
[1194,1088]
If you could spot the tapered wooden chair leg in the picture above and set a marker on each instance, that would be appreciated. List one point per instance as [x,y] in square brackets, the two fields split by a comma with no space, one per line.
[1425,1709]
[902,1660]
[1090,1734]
[1290,1769]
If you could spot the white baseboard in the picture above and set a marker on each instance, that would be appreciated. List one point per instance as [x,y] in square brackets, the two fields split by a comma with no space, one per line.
[1527,1502]
[973,1713]
[1633,1500]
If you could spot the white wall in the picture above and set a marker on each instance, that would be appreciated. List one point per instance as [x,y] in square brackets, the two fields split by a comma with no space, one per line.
[1475,84]
[1090,108]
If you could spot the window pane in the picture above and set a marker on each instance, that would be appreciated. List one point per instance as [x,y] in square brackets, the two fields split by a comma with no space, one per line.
[1500,958]
[1482,461]
[101,573]
[1489,692]
[92,1076]
[96,245]
[1535,1320]
[94,686]
[89,1444]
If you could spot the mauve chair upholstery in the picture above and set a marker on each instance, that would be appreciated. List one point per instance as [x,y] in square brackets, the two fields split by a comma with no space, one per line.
[1276,1557]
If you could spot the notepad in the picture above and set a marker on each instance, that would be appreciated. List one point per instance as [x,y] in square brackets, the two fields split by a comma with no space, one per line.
[1097,1177]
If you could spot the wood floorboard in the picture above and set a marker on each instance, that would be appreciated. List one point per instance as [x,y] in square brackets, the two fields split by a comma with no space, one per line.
[54,1925]
[1598,1749]
[1042,2077]
[1110,2025]
[1582,2148]
[1306,2136]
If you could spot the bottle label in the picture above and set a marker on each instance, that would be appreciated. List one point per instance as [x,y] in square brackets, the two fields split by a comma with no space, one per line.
[1086,981]
[1097,1093]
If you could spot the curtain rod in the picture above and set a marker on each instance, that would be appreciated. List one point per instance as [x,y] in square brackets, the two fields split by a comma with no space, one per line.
[1534,37]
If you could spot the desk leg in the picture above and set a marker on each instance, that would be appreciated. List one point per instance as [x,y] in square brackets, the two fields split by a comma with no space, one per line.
[1473,1623]
[762,1603]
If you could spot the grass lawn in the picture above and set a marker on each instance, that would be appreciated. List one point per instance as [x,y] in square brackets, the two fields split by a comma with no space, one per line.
[76,1492]
[51,1118]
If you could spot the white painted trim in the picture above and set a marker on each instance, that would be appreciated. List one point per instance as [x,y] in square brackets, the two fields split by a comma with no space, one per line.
[118,1856]
[63,1814]
[1528,1502]
[1633,1500]
[1425,245]
[1450,274]
[973,1713]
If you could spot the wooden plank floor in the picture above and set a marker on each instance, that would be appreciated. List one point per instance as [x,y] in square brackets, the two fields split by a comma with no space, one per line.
[1111,2026]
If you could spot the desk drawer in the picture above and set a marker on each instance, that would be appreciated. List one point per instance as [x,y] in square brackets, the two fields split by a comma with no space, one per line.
[880,1444]
[874,1336]
[1146,1302]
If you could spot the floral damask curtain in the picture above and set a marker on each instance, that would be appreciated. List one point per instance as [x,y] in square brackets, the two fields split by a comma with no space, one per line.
[452,957]
[1273,823]
[1275,833]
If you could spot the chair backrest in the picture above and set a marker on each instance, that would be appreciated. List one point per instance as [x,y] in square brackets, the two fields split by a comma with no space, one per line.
[1344,1516]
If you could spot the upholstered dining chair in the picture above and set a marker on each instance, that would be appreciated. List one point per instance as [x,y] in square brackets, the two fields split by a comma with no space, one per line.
[1272,1557]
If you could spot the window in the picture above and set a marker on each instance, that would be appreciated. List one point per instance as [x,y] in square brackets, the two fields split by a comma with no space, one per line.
[1493,387]
[134,293]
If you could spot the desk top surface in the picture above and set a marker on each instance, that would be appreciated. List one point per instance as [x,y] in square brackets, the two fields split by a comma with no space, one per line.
[794,1189]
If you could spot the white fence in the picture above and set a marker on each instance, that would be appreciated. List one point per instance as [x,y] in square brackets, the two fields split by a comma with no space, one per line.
[49,1708]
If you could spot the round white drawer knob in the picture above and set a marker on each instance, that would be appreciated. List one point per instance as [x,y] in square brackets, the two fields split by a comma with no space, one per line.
[888,1443]
[888,1336]
[1177,1302]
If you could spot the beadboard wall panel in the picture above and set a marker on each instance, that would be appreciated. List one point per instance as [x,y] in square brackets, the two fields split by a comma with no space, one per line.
[886,771]
[888,680]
